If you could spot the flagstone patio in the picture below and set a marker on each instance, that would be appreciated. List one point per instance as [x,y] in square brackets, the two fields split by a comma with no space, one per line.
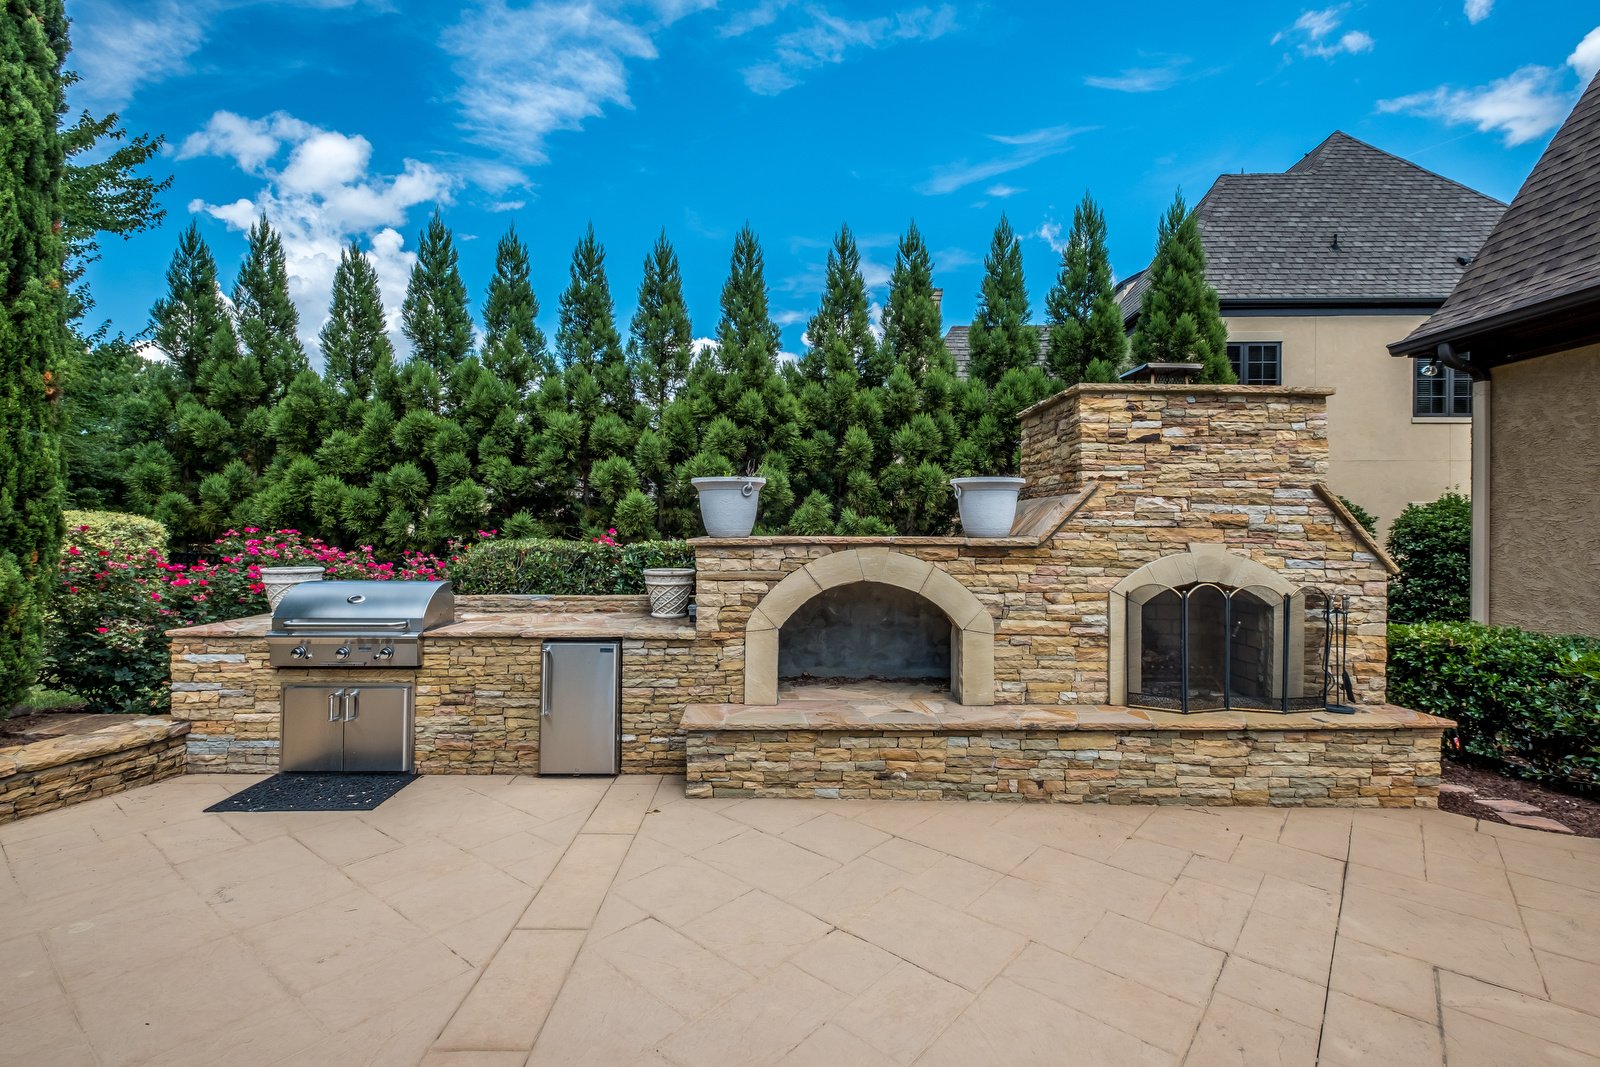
[488,921]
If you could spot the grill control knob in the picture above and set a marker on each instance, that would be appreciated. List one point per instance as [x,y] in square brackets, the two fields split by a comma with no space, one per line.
[386,652]
[301,652]
[342,652]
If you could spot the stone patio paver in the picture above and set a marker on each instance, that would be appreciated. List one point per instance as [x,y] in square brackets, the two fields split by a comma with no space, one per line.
[486,922]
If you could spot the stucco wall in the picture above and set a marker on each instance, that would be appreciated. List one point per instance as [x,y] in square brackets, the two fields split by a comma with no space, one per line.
[1378,454]
[1544,491]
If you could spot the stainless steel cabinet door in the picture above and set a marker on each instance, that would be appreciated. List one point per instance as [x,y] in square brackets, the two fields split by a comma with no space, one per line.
[578,726]
[312,730]
[377,728]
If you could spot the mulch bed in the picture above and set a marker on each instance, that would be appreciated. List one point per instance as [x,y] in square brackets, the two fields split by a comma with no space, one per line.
[1580,813]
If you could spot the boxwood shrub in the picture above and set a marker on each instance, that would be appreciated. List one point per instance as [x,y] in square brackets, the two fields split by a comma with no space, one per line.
[1530,699]
[114,530]
[564,568]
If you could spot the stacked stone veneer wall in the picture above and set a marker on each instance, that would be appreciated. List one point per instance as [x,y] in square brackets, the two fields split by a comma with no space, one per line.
[1230,467]
[51,774]
[1281,768]
[477,701]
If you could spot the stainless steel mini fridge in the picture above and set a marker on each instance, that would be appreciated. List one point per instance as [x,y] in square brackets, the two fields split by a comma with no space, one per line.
[579,721]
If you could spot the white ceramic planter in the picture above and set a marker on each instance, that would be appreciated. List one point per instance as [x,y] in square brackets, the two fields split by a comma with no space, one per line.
[988,505]
[728,505]
[669,589]
[279,580]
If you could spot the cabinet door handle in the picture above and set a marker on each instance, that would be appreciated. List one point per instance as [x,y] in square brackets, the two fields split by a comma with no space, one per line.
[333,704]
[544,684]
[352,705]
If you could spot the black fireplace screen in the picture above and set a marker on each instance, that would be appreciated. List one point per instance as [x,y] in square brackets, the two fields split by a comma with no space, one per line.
[1207,647]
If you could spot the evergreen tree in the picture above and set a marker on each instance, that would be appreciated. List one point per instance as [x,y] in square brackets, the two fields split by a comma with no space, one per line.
[514,348]
[33,328]
[1082,319]
[434,315]
[1000,338]
[269,325]
[356,352]
[1180,320]
[661,345]
[839,412]
[913,334]
[190,323]
[587,336]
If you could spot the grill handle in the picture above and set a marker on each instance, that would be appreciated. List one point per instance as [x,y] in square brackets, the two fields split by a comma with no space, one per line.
[544,683]
[334,699]
[352,705]
[347,624]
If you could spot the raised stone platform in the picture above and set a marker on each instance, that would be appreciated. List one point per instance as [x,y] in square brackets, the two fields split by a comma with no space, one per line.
[871,742]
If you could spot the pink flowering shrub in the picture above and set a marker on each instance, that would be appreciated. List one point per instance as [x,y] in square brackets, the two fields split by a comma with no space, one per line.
[112,607]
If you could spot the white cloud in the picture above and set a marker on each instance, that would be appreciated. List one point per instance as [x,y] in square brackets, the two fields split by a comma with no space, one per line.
[321,197]
[118,48]
[954,258]
[1314,33]
[508,205]
[704,344]
[1001,190]
[1141,79]
[1478,10]
[790,318]
[1585,59]
[1049,232]
[528,72]
[763,14]
[824,39]
[1520,107]
[1026,148]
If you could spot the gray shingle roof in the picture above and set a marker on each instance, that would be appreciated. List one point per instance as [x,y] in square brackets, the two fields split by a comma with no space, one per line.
[1545,249]
[955,339]
[1348,224]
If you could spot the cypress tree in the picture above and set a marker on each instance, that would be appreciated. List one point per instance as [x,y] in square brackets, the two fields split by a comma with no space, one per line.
[1000,338]
[513,345]
[662,339]
[587,334]
[434,315]
[841,411]
[1082,319]
[190,323]
[913,334]
[750,392]
[357,355]
[33,328]
[1180,319]
[269,325]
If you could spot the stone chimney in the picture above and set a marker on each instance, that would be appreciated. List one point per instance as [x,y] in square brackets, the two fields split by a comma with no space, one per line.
[938,299]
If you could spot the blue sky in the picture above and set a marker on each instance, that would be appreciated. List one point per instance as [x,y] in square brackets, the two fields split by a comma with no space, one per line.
[346,119]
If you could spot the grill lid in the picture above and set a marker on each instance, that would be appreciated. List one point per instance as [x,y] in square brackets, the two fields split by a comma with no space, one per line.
[397,607]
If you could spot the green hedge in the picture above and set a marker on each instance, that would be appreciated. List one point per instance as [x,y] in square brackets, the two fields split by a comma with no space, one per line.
[1529,698]
[114,529]
[564,568]
[1432,545]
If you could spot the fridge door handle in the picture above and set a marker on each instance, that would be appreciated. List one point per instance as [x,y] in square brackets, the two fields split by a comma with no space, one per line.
[352,705]
[544,683]
[334,699]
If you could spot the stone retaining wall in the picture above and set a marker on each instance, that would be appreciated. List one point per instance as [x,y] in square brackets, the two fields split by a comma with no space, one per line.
[51,774]
[1258,767]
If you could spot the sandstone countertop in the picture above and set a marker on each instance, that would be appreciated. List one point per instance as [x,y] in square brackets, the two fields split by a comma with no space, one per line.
[524,624]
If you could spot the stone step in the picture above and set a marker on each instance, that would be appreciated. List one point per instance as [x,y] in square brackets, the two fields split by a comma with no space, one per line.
[1451,787]
[1505,806]
[1536,822]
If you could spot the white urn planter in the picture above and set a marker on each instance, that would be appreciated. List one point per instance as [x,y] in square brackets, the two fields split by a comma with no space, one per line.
[669,589]
[988,505]
[728,505]
[279,580]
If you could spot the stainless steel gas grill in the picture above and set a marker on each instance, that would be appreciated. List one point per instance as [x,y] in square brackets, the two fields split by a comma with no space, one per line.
[357,624]
[353,727]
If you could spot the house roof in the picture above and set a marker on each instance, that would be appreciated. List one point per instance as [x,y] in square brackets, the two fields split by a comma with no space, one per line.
[955,339]
[1540,262]
[1348,225]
